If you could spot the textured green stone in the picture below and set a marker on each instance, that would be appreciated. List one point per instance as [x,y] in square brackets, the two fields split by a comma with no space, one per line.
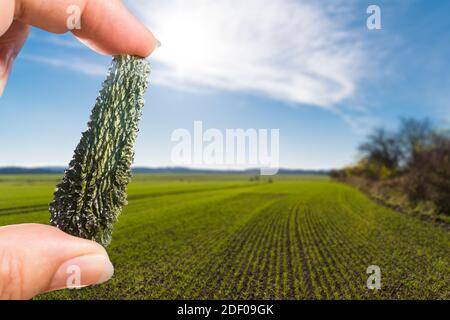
[90,197]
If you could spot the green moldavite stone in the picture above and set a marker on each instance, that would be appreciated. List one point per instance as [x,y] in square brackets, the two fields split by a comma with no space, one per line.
[90,197]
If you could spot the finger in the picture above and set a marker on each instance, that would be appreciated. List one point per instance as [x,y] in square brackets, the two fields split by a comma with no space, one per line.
[105,25]
[38,258]
[6,15]
[10,44]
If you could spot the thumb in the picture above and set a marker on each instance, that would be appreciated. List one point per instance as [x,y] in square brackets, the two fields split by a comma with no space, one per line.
[10,44]
[38,258]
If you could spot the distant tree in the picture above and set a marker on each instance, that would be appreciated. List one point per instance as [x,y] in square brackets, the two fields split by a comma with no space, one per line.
[415,161]
[429,174]
[382,148]
[414,137]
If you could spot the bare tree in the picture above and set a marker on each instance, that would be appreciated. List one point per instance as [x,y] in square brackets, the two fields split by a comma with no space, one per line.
[414,136]
[383,148]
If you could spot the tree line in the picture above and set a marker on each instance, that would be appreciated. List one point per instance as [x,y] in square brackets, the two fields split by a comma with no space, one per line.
[415,159]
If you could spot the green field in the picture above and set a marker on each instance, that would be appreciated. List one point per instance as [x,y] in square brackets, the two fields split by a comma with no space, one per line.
[224,236]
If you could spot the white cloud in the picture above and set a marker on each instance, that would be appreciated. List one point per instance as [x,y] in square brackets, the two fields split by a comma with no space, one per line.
[66,40]
[294,51]
[71,63]
[361,123]
[69,42]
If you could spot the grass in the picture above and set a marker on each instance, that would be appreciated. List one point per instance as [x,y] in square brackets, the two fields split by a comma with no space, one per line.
[223,236]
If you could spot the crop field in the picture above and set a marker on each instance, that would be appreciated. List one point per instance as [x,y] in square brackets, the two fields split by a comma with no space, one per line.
[229,236]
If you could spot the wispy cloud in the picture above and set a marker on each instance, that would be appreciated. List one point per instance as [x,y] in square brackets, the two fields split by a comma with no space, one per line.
[294,51]
[361,123]
[69,42]
[66,40]
[71,63]
[300,52]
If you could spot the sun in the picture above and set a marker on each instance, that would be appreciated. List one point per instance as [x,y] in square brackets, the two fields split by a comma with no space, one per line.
[188,44]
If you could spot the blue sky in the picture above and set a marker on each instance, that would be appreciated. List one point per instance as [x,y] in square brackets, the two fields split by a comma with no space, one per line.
[309,68]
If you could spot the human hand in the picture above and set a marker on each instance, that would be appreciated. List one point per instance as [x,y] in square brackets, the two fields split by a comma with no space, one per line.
[106,27]
[38,258]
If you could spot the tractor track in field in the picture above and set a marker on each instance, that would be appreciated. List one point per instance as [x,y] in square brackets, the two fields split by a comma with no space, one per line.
[260,265]
[275,259]
[289,268]
[233,281]
[333,262]
[295,262]
[346,275]
[180,192]
[23,210]
[319,255]
[306,268]
[225,269]
[219,256]
[20,210]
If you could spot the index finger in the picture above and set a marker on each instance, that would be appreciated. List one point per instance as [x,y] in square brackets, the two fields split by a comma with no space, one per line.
[105,25]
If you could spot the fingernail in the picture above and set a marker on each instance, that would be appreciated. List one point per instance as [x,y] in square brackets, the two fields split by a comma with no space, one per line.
[157,43]
[2,85]
[82,271]
[5,68]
